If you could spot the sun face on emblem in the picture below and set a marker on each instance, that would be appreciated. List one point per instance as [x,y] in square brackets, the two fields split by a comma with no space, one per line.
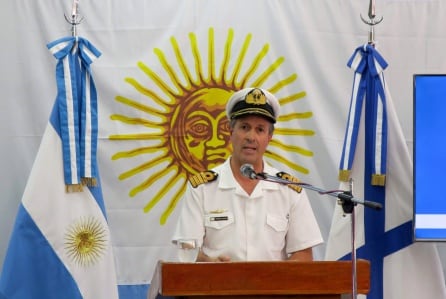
[187,128]
[85,241]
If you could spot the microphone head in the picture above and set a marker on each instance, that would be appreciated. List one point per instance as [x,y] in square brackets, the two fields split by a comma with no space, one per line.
[248,171]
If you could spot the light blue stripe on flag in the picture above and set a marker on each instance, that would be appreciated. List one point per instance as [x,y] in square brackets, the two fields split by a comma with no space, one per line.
[60,246]
[31,268]
[77,100]
[138,291]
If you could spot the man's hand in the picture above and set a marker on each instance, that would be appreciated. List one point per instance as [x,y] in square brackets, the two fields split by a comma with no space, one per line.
[202,257]
[302,255]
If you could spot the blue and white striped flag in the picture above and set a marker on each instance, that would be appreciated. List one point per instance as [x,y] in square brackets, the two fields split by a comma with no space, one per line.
[77,101]
[368,86]
[60,246]
[400,268]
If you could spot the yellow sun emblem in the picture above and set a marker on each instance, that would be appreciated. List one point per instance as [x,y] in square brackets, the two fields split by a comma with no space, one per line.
[187,130]
[85,241]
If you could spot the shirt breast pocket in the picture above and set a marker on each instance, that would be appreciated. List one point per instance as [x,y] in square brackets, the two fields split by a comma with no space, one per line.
[219,230]
[277,228]
[277,223]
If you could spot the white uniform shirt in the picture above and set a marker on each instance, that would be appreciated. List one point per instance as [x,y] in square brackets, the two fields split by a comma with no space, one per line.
[269,224]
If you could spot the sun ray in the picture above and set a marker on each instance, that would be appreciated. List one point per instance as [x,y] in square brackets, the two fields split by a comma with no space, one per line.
[292,98]
[166,188]
[226,59]
[286,162]
[282,83]
[134,120]
[293,116]
[197,59]
[298,132]
[267,73]
[255,64]
[180,60]
[139,106]
[142,167]
[169,69]
[157,80]
[173,203]
[239,61]
[291,148]
[142,136]
[211,57]
[144,91]
[149,181]
[139,151]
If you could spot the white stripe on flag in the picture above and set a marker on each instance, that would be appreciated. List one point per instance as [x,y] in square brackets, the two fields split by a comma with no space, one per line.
[57,47]
[70,119]
[378,134]
[54,211]
[88,129]
[351,122]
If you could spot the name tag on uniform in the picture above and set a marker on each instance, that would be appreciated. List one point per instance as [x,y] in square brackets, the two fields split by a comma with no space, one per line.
[218,218]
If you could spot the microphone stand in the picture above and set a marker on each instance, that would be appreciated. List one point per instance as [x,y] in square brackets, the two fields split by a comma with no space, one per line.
[345,197]
[348,202]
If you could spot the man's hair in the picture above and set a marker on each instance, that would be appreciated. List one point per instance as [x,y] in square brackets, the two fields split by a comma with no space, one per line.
[234,120]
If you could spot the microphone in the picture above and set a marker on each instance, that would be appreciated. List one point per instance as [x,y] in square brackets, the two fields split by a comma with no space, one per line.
[247,170]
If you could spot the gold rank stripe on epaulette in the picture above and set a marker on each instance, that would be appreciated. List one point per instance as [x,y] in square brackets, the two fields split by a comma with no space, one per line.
[289,177]
[202,178]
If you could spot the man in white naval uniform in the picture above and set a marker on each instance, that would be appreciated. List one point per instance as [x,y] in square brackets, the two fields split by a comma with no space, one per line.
[237,218]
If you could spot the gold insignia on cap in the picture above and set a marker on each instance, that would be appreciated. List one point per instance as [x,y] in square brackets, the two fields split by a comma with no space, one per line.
[255,97]
[202,178]
[289,177]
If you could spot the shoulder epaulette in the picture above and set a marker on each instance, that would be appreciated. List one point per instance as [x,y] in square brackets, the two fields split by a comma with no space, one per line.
[202,178]
[289,177]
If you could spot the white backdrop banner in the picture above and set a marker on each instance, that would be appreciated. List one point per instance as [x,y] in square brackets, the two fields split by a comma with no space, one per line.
[166,70]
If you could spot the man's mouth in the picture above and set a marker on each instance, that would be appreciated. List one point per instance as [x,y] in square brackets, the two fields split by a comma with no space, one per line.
[249,148]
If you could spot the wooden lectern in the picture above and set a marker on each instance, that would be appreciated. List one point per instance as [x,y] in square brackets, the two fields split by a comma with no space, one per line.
[243,280]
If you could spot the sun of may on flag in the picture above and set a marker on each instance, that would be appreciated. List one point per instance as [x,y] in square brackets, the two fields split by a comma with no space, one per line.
[60,246]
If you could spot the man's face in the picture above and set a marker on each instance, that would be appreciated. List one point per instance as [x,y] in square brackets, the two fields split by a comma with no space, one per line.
[250,137]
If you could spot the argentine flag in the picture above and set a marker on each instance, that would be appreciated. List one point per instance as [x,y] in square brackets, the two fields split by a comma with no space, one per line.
[400,268]
[60,245]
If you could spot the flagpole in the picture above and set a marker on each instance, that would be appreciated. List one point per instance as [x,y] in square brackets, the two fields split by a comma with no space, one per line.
[371,22]
[351,209]
[345,199]
[74,19]
[348,206]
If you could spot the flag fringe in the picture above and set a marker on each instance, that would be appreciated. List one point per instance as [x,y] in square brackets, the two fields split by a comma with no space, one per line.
[90,182]
[74,188]
[344,175]
[379,180]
